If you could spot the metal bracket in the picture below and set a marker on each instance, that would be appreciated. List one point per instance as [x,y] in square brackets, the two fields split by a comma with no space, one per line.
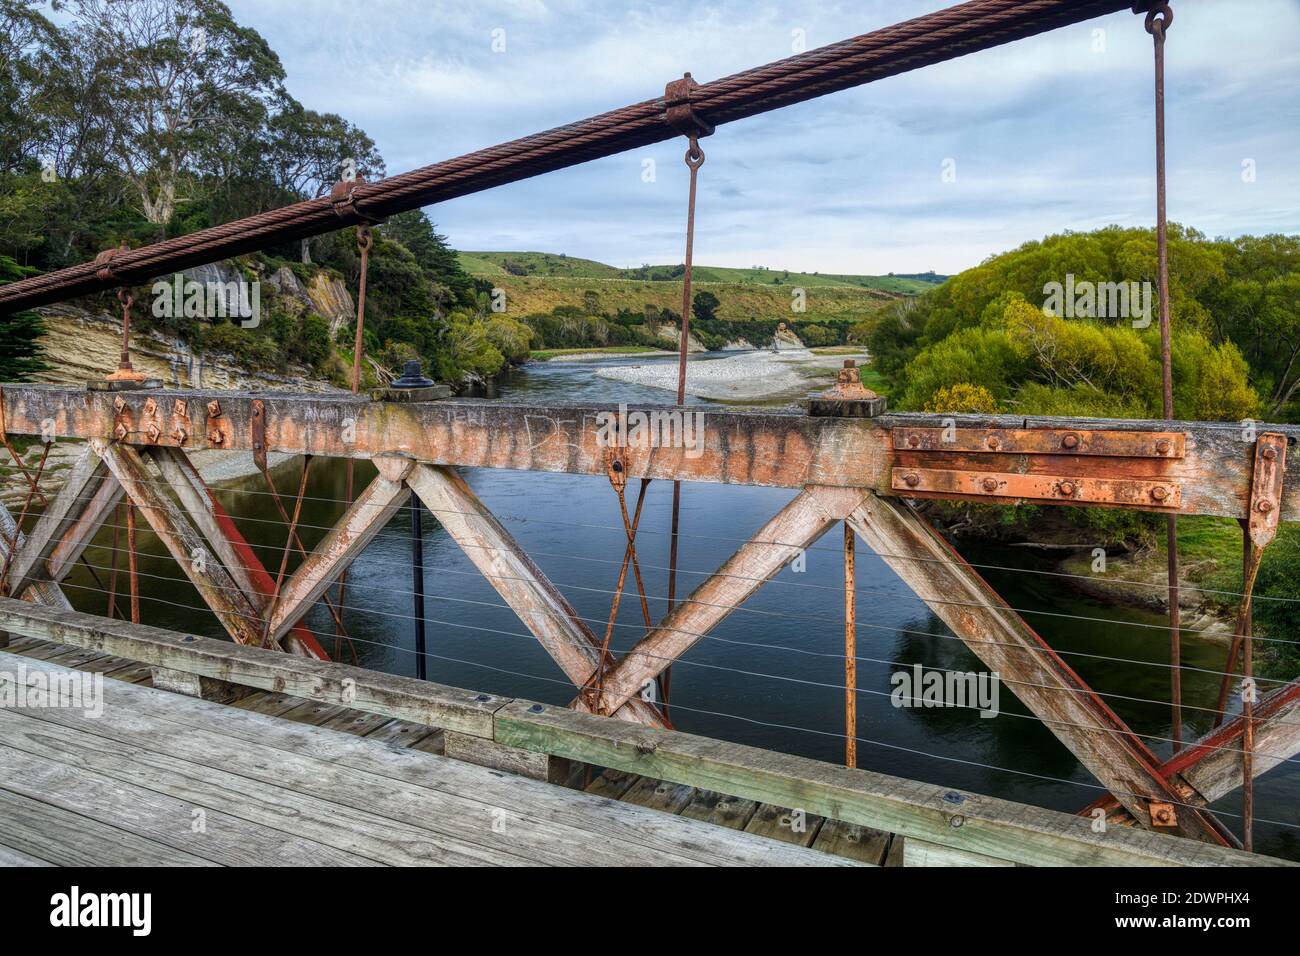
[180,422]
[122,420]
[257,427]
[1163,814]
[344,202]
[1066,466]
[1265,506]
[679,112]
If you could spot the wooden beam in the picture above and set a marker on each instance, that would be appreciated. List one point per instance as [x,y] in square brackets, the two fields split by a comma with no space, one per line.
[808,516]
[540,606]
[963,821]
[179,535]
[80,496]
[228,543]
[404,698]
[1027,666]
[771,449]
[47,593]
[365,518]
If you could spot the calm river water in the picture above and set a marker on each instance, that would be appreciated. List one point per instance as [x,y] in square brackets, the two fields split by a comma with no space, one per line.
[770,675]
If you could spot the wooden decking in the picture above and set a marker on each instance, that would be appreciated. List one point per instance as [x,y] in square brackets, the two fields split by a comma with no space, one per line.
[162,779]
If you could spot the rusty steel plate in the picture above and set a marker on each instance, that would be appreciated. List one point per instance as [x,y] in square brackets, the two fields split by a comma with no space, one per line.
[1129,493]
[1042,441]
[1266,488]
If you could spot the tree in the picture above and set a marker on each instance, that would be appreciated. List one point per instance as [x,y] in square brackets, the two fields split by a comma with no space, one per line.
[188,82]
[308,152]
[20,353]
[432,254]
[705,306]
[26,38]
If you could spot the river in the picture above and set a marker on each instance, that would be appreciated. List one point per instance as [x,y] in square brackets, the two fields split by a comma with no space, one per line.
[770,675]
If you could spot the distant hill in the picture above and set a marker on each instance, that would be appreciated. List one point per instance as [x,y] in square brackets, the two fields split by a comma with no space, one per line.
[537,282]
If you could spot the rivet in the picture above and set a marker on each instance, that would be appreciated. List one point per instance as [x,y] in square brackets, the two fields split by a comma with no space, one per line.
[1066,488]
[911,479]
[913,441]
[992,442]
[989,484]
[1070,441]
[1164,446]
[1159,493]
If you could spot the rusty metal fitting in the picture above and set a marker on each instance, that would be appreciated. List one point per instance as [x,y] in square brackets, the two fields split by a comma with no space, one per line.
[1264,506]
[679,112]
[913,441]
[1159,493]
[1159,18]
[989,484]
[1067,488]
[992,443]
[912,479]
[104,263]
[344,201]
[153,433]
[1163,815]
[1070,442]
[214,409]
[1164,446]
[1269,453]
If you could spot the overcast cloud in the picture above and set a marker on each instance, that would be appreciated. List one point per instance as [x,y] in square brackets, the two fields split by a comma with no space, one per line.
[1047,134]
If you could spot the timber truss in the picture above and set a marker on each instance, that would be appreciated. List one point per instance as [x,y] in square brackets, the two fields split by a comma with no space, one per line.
[843,470]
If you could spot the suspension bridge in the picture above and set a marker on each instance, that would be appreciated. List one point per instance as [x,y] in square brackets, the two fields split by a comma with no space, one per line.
[378,768]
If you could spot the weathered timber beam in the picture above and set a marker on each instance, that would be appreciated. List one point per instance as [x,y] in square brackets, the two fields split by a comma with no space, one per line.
[963,821]
[787,450]
[47,593]
[540,606]
[365,518]
[69,522]
[794,528]
[388,695]
[1211,767]
[1026,664]
[175,530]
[234,552]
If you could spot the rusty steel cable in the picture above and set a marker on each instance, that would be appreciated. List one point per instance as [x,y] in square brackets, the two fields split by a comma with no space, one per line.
[11,551]
[1158,20]
[922,41]
[133,577]
[850,650]
[1251,558]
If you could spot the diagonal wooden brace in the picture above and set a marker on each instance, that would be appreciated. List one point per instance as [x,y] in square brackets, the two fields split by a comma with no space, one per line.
[47,593]
[88,496]
[182,539]
[514,576]
[1000,638]
[798,525]
[365,518]
[227,542]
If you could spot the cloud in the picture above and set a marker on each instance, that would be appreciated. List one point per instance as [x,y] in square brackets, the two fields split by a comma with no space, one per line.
[1046,134]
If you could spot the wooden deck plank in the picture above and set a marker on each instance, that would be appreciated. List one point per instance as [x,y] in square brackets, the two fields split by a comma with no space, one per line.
[782,823]
[63,838]
[543,822]
[355,722]
[864,844]
[399,733]
[611,783]
[659,795]
[720,809]
[9,857]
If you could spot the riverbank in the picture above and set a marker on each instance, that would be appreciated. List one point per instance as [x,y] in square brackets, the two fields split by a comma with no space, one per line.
[582,355]
[760,376]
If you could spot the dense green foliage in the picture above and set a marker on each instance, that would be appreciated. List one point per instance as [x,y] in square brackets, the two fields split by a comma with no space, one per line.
[136,120]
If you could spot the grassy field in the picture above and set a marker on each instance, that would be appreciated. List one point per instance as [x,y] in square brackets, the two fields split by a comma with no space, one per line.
[551,265]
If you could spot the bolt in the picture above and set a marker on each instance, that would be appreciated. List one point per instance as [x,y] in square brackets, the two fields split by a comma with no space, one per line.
[179,436]
[989,484]
[1161,815]
[1264,507]
[912,479]
[150,406]
[153,432]
[1269,453]
[1164,446]
[913,441]
[992,442]
[536,709]
[120,432]
[1070,441]
[956,821]
[1066,488]
[214,409]
[617,466]
[1159,493]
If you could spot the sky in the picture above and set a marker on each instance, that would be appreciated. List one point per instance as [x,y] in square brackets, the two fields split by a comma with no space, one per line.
[1047,134]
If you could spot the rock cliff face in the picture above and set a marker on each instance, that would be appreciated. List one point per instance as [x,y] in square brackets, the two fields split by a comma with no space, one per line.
[324,295]
[738,345]
[80,346]
[670,333]
[786,339]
